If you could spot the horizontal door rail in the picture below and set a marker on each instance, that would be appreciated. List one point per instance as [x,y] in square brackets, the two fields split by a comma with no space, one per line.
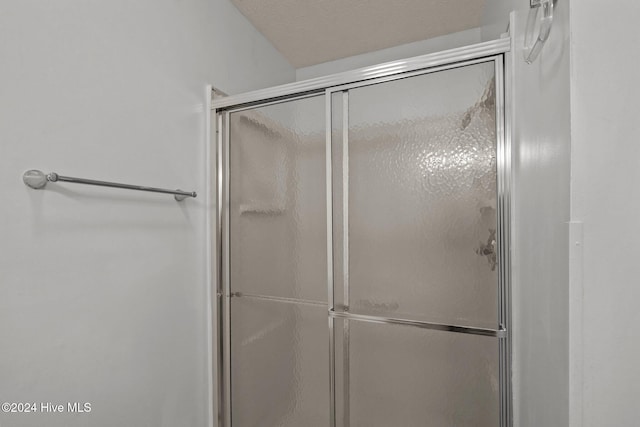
[37,179]
[279,299]
[498,333]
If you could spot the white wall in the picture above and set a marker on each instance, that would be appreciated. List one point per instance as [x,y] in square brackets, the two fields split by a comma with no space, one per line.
[495,17]
[102,291]
[436,44]
[494,22]
[606,199]
[540,241]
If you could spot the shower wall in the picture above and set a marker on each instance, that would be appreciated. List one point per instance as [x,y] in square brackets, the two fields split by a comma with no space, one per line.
[541,206]
[103,292]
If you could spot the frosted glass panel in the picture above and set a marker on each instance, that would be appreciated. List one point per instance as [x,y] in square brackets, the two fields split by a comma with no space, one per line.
[279,364]
[278,200]
[406,376]
[422,197]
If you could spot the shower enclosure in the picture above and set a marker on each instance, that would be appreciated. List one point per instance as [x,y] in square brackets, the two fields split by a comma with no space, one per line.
[363,240]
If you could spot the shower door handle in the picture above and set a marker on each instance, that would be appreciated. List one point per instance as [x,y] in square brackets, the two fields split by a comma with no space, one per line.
[488,249]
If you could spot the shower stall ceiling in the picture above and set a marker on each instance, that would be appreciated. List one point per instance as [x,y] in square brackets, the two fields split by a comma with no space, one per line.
[363,289]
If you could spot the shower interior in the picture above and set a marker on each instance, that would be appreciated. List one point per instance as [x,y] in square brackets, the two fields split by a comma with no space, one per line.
[364,272]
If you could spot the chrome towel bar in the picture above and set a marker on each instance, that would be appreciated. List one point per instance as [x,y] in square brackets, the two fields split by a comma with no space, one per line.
[37,179]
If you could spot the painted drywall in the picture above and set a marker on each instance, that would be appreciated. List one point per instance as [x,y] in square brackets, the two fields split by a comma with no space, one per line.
[103,292]
[606,200]
[436,44]
[540,231]
[495,17]
[311,32]
[495,22]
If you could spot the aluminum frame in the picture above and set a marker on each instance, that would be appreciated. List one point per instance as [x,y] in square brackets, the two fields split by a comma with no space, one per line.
[219,292]
[330,284]
[497,333]
[346,381]
[503,237]
[505,173]
[318,85]
[225,275]
[484,52]
[285,300]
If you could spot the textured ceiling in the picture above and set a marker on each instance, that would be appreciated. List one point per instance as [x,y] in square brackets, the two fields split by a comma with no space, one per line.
[308,32]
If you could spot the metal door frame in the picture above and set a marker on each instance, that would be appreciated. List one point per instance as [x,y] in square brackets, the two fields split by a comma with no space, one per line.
[496,51]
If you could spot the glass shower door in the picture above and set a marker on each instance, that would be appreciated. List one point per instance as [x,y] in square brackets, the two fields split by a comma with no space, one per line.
[278,338]
[362,239]
[415,301]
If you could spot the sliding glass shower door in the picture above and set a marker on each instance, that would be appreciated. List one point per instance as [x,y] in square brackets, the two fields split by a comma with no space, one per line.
[364,276]
[415,179]
[279,341]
